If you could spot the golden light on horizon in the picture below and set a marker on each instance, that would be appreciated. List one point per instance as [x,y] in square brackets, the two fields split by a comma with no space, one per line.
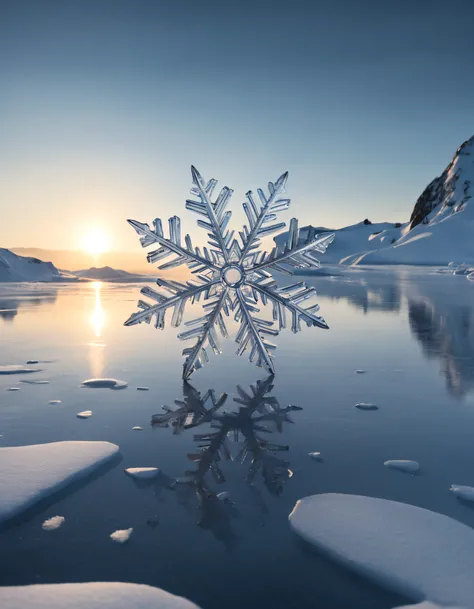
[95,242]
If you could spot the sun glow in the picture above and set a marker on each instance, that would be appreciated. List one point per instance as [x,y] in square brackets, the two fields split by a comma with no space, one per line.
[95,242]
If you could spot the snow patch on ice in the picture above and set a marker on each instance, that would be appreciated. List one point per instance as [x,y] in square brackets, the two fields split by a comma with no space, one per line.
[95,595]
[53,523]
[121,535]
[20,369]
[105,383]
[85,414]
[142,472]
[415,552]
[463,492]
[403,465]
[31,473]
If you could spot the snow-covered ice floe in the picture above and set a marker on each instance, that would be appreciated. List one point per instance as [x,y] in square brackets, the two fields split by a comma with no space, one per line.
[366,406]
[121,535]
[95,595]
[427,605]
[17,370]
[53,523]
[403,465]
[142,472]
[137,428]
[104,384]
[412,551]
[31,473]
[85,414]
[463,492]
[316,456]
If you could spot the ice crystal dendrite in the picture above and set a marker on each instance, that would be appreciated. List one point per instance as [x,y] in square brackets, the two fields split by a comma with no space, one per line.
[232,275]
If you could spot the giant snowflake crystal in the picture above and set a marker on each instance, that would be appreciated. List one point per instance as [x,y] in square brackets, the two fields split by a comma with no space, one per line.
[232,275]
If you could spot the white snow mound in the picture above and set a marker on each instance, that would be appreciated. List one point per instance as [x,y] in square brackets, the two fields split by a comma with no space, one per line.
[121,535]
[142,472]
[412,551]
[96,595]
[53,523]
[463,492]
[31,473]
[104,384]
[403,465]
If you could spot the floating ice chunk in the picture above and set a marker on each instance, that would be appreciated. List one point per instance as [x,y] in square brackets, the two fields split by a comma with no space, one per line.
[225,495]
[32,361]
[12,369]
[104,384]
[121,535]
[412,551]
[403,465]
[463,492]
[96,595]
[137,428]
[55,402]
[142,389]
[142,472]
[85,414]
[316,456]
[13,389]
[53,523]
[366,406]
[34,382]
[360,371]
[31,473]
[428,605]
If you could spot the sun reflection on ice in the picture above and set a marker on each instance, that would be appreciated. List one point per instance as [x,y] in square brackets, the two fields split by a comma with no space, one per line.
[97,347]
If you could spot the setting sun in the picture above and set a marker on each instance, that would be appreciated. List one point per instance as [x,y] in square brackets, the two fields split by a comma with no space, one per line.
[95,242]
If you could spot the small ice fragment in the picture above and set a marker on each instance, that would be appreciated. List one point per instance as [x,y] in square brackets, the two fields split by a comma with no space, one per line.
[54,402]
[223,496]
[13,389]
[403,465]
[142,389]
[53,523]
[85,414]
[142,472]
[316,456]
[121,535]
[104,384]
[463,492]
[32,361]
[360,371]
[34,382]
[137,428]
[366,406]
[12,369]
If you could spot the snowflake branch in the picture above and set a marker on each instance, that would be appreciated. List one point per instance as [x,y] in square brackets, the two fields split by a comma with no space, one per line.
[295,254]
[188,255]
[182,293]
[250,332]
[214,212]
[270,207]
[296,293]
[196,356]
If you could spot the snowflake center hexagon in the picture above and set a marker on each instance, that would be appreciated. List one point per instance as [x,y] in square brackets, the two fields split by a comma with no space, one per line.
[232,275]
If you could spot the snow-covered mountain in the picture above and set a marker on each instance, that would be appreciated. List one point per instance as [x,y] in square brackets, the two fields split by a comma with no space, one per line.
[440,230]
[20,268]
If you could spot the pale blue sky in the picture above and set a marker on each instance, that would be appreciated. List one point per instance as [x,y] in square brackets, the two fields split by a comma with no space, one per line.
[106,103]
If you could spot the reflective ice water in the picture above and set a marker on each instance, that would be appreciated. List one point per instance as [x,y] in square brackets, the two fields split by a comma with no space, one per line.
[412,333]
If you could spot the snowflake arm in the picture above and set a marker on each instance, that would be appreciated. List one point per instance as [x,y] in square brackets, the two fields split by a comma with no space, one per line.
[270,206]
[250,334]
[217,218]
[205,331]
[294,254]
[181,293]
[184,255]
[289,298]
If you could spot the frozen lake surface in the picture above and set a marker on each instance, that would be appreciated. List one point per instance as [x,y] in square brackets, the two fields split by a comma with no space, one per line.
[411,331]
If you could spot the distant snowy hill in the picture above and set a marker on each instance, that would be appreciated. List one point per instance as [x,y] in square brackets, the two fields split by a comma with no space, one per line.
[20,268]
[440,230]
[106,273]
